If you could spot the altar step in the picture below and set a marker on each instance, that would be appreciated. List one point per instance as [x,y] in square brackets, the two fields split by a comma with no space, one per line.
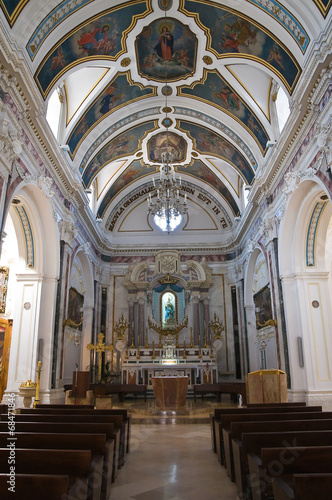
[169,418]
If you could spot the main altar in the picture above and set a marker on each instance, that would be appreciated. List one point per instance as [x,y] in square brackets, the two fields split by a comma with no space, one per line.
[142,364]
[166,328]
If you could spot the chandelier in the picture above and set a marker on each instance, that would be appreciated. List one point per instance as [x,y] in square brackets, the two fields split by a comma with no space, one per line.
[165,203]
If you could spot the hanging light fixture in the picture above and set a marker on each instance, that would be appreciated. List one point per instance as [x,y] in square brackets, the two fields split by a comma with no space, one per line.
[164,202]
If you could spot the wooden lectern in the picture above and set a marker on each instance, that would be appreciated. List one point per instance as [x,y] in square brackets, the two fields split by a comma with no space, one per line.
[266,386]
[80,393]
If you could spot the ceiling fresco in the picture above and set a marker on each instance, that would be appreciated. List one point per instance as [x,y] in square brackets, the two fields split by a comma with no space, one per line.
[120,92]
[102,37]
[198,78]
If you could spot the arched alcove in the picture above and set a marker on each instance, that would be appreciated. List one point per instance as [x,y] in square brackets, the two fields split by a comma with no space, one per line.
[305,270]
[33,270]
[258,304]
[79,314]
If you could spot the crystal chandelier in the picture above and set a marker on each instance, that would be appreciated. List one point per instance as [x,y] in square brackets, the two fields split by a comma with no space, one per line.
[165,203]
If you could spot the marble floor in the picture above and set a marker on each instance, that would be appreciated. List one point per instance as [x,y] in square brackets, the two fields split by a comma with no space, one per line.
[172,461]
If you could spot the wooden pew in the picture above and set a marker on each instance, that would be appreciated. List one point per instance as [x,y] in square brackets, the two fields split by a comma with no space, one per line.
[74,463]
[255,441]
[64,410]
[303,487]
[283,462]
[201,389]
[239,428]
[96,443]
[77,407]
[117,420]
[219,412]
[232,388]
[258,417]
[32,486]
[271,405]
[125,426]
[110,464]
[3,409]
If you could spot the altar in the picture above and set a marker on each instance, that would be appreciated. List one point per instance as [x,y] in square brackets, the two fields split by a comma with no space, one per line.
[170,392]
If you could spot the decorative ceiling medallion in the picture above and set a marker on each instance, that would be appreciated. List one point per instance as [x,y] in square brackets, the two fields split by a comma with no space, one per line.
[166,51]
[167,90]
[167,122]
[207,60]
[167,109]
[125,62]
[165,4]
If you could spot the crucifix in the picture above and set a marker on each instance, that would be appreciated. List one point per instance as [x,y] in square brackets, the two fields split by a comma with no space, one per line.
[100,348]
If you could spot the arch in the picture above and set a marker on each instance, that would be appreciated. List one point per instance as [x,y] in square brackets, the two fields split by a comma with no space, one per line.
[293,233]
[305,270]
[82,254]
[34,278]
[40,214]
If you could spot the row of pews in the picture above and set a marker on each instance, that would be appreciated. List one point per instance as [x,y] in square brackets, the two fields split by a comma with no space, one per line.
[275,451]
[62,452]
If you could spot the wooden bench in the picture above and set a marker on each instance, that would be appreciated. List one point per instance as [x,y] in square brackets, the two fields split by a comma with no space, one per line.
[110,464]
[283,462]
[96,443]
[204,389]
[271,405]
[74,463]
[303,487]
[85,411]
[255,441]
[239,428]
[59,406]
[232,388]
[32,486]
[258,417]
[120,389]
[216,420]
[117,420]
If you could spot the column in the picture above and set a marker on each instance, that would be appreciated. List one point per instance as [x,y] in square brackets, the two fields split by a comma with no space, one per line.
[196,330]
[206,305]
[141,321]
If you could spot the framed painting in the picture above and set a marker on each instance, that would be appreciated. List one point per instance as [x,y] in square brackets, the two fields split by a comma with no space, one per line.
[75,309]
[263,307]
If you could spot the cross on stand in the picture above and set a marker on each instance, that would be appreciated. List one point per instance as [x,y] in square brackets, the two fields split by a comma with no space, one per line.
[99,348]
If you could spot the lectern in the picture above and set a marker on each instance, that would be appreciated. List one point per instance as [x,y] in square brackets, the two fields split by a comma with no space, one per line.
[266,386]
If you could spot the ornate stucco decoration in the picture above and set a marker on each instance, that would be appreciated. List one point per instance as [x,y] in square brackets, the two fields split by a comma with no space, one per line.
[292,181]
[10,140]
[269,229]
[167,269]
[68,229]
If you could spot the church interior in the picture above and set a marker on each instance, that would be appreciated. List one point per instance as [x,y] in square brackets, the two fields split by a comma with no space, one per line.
[157,224]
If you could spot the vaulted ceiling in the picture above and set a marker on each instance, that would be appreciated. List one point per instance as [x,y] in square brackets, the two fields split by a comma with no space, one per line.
[210,98]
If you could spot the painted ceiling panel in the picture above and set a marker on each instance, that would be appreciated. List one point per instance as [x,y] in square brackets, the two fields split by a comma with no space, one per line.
[233,33]
[141,77]
[123,145]
[120,92]
[100,38]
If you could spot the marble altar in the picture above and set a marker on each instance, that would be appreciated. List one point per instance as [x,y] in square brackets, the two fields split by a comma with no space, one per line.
[170,392]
